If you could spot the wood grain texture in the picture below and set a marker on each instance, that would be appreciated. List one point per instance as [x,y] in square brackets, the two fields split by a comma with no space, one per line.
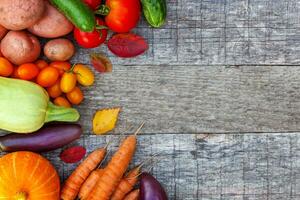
[226,67]
[194,99]
[223,166]
[221,32]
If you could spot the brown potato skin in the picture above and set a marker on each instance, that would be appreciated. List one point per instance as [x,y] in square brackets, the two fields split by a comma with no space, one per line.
[3,32]
[20,47]
[20,14]
[59,49]
[53,24]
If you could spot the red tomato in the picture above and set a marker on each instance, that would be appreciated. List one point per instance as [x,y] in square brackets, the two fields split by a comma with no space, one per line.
[28,71]
[93,4]
[122,15]
[91,39]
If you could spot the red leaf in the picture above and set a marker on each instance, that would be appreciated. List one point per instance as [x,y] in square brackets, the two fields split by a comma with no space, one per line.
[127,45]
[101,63]
[73,154]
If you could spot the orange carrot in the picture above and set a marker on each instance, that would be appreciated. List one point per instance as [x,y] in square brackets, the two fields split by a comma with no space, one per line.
[115,169]
[73,183]
[133,195]
[90,183]
[126,184]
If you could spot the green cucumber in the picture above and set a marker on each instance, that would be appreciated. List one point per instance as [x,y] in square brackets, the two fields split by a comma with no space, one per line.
[78,13]
[155,12]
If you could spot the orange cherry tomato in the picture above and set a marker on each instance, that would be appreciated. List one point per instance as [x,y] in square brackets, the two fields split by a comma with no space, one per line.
[68,82]
[75,96]
[47,77]
[84,75]
[41,63]
[61,101]
[6,68]
[54,91]
[28,71]
[62,66]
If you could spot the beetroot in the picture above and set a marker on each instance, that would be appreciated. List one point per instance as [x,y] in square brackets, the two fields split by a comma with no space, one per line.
[151,189]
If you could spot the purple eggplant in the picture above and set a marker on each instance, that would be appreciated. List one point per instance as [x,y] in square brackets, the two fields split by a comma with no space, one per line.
[50,137]
[151,189]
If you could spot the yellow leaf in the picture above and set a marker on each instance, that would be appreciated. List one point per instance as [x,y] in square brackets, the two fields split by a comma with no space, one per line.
[105,120]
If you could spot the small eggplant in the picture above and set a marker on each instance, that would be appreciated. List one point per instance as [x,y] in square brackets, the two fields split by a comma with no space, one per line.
[48,138]
[151,189]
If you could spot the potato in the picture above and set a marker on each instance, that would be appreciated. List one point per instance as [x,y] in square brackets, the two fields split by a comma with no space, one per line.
[59,49]
[3,32]
[53,24]
[20,47]
[20,14]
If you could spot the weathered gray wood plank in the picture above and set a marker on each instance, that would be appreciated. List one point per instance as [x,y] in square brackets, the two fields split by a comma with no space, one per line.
[194,99]
[205,32]
[223,166]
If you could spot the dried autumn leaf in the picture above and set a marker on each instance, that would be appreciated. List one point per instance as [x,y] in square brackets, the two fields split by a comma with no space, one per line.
[127,45]
[101,63]
[73,154]
[105,120]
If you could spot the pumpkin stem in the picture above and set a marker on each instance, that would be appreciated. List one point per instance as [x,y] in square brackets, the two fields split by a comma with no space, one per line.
[21,196]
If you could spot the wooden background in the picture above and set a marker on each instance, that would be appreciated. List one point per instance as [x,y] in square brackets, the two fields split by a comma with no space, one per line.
[229,68]
[219,92]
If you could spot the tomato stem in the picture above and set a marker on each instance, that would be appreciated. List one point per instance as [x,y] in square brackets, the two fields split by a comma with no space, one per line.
[100,27]
[103,10]
[71,70]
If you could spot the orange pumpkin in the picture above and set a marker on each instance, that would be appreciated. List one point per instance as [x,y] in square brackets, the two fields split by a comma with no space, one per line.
[28,176]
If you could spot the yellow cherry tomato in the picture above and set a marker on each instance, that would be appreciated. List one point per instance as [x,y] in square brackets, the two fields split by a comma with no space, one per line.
[68,82]
[84,75]
[75,96]
[61,101]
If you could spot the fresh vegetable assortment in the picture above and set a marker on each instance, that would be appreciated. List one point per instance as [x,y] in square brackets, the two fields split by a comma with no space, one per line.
[59,78]
[25,107]
[35,90]
[79,175]
[90,180]
[78,13]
